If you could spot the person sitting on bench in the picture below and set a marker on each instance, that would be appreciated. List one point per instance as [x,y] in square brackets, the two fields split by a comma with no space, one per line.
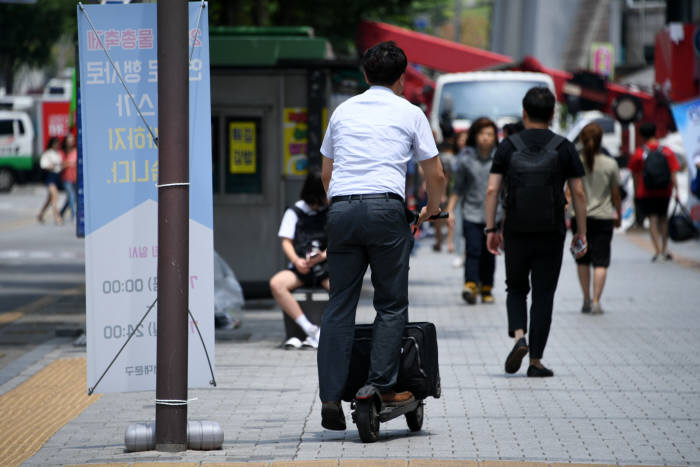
[303,234]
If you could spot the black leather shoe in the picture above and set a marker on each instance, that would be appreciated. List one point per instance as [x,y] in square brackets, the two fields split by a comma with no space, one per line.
[515,357]
[332,416]
[537,372]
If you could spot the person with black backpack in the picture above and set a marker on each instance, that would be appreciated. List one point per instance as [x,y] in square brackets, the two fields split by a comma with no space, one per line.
[533,166]
[303,234]
[654,170]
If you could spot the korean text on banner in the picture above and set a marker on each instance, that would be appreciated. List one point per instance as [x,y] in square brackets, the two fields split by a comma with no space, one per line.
[120,173]
[687,117]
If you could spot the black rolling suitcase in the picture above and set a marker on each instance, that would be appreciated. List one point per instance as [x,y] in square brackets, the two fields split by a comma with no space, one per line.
[418,372]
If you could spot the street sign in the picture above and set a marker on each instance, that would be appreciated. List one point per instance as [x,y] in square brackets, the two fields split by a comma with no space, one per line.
[119,141]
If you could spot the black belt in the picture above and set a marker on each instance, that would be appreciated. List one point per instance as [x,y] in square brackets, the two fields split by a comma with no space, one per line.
[386,196]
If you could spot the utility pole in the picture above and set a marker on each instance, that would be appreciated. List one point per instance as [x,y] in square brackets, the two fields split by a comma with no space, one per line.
[458,21]
[173,225]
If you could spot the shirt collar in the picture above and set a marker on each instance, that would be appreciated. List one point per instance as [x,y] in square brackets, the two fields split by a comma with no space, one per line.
[378,88]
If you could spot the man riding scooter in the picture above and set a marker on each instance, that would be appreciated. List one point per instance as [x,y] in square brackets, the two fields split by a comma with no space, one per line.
[367,146]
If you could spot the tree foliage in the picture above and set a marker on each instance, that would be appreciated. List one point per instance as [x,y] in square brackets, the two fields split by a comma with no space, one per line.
[334,20]
[29,32]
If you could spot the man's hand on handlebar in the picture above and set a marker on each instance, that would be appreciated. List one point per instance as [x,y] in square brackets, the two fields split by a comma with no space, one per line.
[426,214]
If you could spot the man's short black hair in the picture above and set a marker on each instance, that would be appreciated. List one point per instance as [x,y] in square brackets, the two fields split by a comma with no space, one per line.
[539,104]
[384,63]
[647,130]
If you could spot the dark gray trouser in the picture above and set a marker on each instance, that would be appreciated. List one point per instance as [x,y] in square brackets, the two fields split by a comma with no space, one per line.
[361,233]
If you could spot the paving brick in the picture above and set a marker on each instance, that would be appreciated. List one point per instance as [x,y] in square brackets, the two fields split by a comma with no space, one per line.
[625,391]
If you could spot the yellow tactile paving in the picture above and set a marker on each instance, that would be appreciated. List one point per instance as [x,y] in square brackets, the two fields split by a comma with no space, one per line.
[165,464]
[233,464]
[441,463]
[126,464]
[562,464]
[511,464]
[355,463]
[36,409]
[310,463]
[374,463]
[37,304]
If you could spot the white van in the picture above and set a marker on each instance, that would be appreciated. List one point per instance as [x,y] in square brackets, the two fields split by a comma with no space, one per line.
[612,131]
[16,146]
[498,95]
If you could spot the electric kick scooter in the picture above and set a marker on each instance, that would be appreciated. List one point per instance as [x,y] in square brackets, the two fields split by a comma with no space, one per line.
[368,408]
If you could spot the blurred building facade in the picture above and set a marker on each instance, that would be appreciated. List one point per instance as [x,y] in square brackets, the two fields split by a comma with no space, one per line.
[559,33]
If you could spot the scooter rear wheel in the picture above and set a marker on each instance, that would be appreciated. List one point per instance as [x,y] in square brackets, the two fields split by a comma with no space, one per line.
[414,419]
[367,421]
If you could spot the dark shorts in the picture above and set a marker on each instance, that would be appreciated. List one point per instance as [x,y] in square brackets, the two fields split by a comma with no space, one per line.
[313,278]
[654,206]
[52,178]
[599,234]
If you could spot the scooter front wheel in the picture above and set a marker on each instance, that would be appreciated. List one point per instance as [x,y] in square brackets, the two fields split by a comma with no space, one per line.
[414,419]
[367,420]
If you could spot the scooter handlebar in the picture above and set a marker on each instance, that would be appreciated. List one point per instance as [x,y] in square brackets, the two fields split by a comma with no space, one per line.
[440,215]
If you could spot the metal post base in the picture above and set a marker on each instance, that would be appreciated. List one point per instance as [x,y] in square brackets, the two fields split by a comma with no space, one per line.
[201,435]
[171,447]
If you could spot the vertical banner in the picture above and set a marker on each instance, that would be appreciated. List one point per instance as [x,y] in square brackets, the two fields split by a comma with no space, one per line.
[120,175]
[296,142]
[602,60]
[687,117]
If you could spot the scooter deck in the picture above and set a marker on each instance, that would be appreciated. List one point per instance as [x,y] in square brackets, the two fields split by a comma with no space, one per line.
[390,412]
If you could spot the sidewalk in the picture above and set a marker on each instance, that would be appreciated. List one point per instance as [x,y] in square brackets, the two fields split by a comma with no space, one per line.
[626,388]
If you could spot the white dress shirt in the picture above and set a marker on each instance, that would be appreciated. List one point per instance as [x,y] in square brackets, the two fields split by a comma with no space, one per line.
[371,138]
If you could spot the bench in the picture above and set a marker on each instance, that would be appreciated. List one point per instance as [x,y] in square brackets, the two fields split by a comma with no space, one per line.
[312,301]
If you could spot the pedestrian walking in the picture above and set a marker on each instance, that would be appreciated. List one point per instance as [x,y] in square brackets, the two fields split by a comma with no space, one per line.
[448,159]
[366,148]
[52,164]
[654,169]
[471,179]
[304,241]
[603,212]
[69,175]
[534,164]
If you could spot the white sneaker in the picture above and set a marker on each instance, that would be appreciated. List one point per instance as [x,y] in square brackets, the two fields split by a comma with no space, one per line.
[292,343]
[312,340]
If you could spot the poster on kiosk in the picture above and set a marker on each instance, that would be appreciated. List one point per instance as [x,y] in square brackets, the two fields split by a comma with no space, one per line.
[121,211]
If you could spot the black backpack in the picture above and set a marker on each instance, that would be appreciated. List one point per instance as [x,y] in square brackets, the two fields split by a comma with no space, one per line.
[535,198]
[309,228]
[656,172]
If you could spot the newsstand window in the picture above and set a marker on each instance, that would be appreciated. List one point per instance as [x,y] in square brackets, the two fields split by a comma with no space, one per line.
[243,156]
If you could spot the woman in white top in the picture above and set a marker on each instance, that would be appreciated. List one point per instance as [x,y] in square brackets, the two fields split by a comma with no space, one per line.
[52,163]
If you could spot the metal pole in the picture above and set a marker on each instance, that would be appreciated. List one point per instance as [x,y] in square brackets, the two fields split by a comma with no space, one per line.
[173,223]
[458,21]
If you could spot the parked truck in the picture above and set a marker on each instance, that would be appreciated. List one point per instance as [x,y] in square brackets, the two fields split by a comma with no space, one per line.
[26,124]
[16,147]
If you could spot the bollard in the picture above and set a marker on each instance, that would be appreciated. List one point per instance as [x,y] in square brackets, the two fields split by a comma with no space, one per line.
[204,435]
[140,437]
[201,435]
